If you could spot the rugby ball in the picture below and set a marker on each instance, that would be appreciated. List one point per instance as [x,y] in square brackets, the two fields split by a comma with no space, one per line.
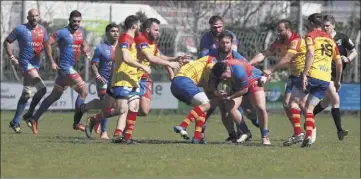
[224,86]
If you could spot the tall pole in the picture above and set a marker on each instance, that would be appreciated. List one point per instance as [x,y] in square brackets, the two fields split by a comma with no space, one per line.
[300,19]
[23,12]
[110,14]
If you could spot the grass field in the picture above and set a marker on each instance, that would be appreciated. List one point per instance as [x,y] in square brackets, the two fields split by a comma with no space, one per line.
[58,151]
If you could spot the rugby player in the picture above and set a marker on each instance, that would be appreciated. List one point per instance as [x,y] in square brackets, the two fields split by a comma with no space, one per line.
[32,38]
[293,53]
[283,44]
[123,93]
[209,44]
[147,47]
[316,76]
[348,53]
[101,67]
[71,42]
[245,80]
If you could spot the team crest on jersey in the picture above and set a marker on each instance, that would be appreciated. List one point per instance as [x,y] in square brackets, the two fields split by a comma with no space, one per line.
[143,45]
[124,45]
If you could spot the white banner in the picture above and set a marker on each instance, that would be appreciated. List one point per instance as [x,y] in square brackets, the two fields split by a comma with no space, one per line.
[11,92]
[162,97]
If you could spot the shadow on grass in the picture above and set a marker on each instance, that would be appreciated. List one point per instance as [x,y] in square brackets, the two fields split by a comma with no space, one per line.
[84,140]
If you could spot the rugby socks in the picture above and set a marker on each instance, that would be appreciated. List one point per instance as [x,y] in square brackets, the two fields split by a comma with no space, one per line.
[296,114]
[20,109]
[289,115]
[242,126]
[209,113]
[131,118]
[196,111]
[36,99]
[310,124]
[78,114]
[264,132]
[47,102]
[103,124]
[199,125]
[336,118]
[318,109]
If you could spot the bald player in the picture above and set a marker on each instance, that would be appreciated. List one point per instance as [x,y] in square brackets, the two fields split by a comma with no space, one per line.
[31,37]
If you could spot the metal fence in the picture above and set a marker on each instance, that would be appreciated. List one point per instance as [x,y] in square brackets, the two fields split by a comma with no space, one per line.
[172,43]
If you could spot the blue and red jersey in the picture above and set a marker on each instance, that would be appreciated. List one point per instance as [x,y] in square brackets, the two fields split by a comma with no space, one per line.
[243,74]
[70,47]
[104,56]
[30,44]
[208,43]
[232,56]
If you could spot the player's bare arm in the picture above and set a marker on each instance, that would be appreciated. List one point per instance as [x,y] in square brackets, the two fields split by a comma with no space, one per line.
[85,49]
[170,72]
[128,60]
[94,69]
[260,57]
[238,93]
[157,60]
[283,62]
[309,60]
[8,50]
[49,53]
[350,57]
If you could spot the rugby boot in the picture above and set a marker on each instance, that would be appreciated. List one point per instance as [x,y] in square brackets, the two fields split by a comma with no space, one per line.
[307,142]
[89,126]
[294,139]
[341,134]
[181,131]
[15,127]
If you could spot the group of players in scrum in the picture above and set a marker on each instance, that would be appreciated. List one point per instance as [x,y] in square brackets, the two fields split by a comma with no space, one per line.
[121,66]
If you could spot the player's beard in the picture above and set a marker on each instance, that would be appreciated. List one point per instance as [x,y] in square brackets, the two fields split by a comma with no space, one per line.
[223,53]
[215,34]
[73,27]
[136,33]
[33,23]
[151,37]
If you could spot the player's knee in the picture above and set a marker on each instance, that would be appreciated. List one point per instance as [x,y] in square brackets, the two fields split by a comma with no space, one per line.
[200,99]
[286,105]
[26,94]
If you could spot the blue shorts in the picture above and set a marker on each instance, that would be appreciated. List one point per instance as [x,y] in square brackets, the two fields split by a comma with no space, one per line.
[291,83]
[315,87]
[146,87]
[27,67]
[184,89]
[121,92]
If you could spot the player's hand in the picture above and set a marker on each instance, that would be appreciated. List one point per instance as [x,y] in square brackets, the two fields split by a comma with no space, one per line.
[267,72]
[101,79]
[337,86]
[174,65]
[147,69]
[220,94]
[14,61]
[345,59]
[304,82]
[54,67]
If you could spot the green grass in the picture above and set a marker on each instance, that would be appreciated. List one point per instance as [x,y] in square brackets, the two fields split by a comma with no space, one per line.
[58,151]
